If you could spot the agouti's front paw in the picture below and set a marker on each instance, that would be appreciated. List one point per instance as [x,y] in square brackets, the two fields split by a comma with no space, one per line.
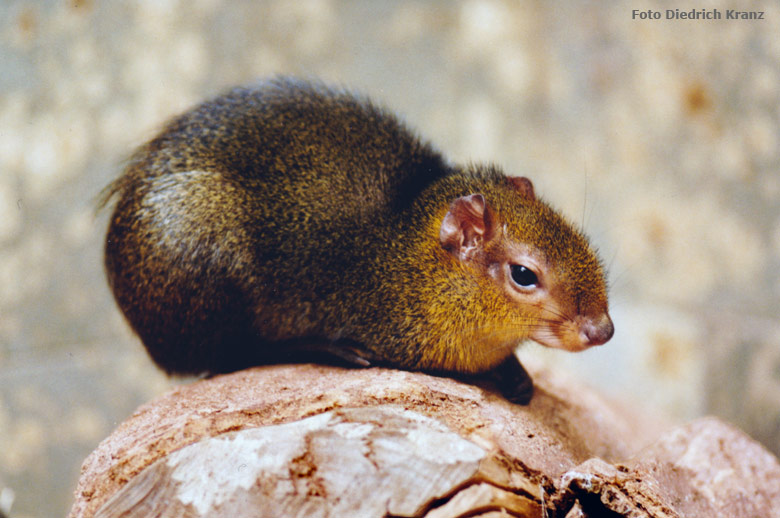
[513,381]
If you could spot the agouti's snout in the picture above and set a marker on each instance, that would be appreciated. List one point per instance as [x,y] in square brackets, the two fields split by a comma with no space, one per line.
[597,331]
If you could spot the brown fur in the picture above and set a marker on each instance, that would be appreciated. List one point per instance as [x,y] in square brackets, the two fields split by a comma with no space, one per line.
[291,213]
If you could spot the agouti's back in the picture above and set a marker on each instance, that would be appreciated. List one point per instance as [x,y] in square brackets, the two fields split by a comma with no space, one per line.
[339,154]
[290,213]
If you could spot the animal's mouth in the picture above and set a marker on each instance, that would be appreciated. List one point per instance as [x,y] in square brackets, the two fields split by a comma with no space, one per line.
[576,334]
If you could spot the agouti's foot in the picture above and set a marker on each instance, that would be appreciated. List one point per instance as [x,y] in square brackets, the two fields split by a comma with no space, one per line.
[350,351]
[513,381]
[341,350]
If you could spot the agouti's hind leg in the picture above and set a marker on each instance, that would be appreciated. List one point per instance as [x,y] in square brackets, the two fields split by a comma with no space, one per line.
[513,381]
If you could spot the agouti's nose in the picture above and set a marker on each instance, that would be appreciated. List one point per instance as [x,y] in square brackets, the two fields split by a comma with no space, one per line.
[598,330]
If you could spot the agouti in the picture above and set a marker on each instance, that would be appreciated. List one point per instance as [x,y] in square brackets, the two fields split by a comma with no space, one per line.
[289,219]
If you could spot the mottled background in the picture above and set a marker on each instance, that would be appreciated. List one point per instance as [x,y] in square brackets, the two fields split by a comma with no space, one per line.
[660,137]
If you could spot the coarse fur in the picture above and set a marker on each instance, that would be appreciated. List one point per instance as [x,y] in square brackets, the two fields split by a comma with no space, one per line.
[288,216]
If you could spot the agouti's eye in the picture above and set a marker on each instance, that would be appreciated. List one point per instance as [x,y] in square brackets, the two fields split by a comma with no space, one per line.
[522,276]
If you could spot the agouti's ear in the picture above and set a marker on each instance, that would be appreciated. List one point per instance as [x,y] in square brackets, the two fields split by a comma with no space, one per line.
[523,185]
[466,226]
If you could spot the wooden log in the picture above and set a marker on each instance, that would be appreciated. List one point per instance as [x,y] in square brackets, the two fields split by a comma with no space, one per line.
[319,441]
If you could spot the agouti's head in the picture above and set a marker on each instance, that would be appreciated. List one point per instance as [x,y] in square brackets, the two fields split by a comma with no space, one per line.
[544,280]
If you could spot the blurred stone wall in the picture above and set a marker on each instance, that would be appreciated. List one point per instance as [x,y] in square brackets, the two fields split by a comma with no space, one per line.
[661,137]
